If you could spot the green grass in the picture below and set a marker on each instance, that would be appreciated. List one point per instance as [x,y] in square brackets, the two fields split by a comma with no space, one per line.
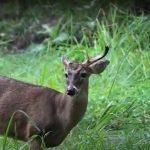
[118,115]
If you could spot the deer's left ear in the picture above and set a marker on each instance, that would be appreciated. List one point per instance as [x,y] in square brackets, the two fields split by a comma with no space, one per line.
[98,66]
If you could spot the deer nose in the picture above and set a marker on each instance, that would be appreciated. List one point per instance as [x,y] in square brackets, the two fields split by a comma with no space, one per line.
[71,91]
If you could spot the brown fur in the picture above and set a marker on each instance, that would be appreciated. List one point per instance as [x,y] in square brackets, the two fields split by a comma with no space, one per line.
[45,106]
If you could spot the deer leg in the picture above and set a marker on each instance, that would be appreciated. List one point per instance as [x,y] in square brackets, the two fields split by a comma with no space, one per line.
[36,142]
[35,145]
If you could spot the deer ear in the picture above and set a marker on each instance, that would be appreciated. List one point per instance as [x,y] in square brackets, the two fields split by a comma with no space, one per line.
[98,66]
[65,61]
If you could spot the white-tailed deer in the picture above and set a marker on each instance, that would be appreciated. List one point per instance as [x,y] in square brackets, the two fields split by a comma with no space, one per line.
[53,113]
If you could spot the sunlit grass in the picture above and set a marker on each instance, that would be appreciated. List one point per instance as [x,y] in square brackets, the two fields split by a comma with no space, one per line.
[118,115]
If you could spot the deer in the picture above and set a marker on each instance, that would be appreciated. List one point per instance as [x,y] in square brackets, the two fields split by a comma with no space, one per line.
[52,114]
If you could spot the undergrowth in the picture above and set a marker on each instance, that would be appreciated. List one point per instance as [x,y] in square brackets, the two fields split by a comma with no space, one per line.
[118,115]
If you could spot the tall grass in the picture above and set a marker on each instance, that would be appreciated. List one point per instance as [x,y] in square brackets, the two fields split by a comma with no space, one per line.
[118,116]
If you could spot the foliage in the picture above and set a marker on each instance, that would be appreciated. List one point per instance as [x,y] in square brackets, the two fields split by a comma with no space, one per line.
[118,115]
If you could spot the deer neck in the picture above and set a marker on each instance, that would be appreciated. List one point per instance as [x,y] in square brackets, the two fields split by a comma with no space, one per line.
[73,108]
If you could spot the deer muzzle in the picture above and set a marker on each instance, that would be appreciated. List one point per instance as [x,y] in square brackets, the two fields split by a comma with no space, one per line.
[71,90]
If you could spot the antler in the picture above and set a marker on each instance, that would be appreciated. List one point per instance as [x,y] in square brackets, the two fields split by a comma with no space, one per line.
[97,58]
[65,61]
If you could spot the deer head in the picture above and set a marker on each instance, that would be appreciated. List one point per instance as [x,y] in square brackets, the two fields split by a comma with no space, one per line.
[77,75]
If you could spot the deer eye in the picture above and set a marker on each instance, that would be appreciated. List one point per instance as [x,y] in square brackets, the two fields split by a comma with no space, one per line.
[66,75]
[83,75]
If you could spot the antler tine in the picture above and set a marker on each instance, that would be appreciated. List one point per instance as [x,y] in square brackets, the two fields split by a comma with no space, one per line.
[65,60]
[87,56]
[95,59]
